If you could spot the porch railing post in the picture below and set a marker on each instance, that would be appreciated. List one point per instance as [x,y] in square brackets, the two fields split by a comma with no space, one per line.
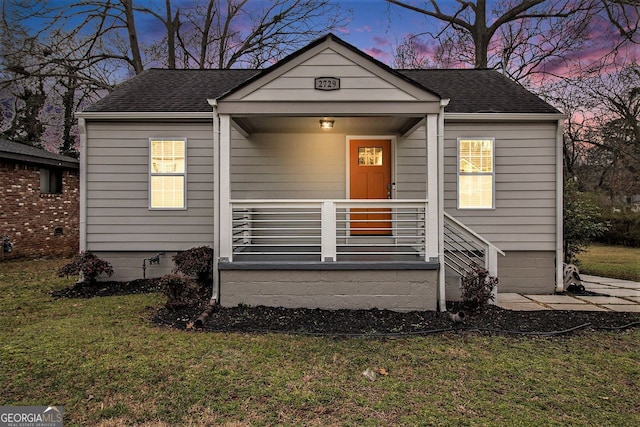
[328,232]
[491,265]
[430,234]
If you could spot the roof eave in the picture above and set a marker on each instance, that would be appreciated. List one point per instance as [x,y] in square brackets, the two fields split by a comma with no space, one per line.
[514,117]
[25,158]
[142,115]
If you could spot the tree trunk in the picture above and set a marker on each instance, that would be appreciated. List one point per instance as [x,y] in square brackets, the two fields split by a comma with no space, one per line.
[481,35]
[136,56]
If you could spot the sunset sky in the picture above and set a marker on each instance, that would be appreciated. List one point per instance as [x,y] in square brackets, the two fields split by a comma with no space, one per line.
[377,27]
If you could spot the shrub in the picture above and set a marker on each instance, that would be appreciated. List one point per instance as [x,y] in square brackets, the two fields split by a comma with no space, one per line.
[477,288]
[197,263]
[86,265]
[583,222]
[179,290]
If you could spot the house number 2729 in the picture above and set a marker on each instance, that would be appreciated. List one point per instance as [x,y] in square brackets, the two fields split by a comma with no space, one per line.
[327,83]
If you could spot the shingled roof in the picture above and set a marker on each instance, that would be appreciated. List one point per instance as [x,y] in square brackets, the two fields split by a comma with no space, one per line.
[479,91]
[26,153]
[159,90]
[185,91]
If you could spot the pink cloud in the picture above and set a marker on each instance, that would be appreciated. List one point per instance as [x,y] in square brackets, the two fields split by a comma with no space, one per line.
[380,41]
[378,54]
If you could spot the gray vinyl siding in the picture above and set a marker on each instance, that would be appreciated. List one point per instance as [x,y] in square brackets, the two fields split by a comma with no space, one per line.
[356,82]
[118,215]
[411,166]
[288,166]
[524,217]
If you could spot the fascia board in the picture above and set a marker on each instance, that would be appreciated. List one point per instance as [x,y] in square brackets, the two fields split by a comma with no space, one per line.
[142,115]
[501,117]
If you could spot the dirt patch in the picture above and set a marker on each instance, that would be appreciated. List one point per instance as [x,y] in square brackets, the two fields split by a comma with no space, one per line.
[373,322]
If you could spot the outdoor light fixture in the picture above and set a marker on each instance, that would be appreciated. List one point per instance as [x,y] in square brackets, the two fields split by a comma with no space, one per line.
[326,123]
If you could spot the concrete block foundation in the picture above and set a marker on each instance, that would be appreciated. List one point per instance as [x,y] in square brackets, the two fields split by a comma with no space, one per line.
[399,290]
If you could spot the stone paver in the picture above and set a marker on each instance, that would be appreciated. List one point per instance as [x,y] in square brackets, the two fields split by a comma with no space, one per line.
[523,306]
[596,287]
[602,300]
[620,292]
[578,307]
[615,295]
[555,299]
[512,297]
[635,308]
[630,285]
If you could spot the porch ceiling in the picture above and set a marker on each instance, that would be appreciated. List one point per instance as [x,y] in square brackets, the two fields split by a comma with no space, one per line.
[372,125]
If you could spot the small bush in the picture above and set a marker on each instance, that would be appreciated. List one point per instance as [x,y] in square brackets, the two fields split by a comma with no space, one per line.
[88,266]
[179,290]
[477,288]
[197,263]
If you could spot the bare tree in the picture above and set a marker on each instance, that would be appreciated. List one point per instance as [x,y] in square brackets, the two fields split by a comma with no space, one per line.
[519,36]
[410,55]
[239,33]
[47,73]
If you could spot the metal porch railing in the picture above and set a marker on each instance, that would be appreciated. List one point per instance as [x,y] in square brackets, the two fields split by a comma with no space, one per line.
[465,250]
[327,230]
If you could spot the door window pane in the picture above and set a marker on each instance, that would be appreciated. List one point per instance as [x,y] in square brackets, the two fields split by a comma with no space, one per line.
[370,156]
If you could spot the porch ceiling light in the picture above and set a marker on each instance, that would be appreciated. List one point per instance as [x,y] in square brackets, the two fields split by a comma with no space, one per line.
[326,123]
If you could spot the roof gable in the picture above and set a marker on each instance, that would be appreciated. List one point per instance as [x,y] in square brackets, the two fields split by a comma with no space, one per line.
[361,78]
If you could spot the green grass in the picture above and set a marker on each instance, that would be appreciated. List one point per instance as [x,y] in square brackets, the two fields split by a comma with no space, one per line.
[611,261]
[106,364]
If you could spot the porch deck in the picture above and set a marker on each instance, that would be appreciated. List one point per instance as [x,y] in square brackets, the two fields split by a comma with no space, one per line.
[358,255]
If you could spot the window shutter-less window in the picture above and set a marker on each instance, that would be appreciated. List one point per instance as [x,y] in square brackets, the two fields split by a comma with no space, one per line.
[167,177]
[476,173]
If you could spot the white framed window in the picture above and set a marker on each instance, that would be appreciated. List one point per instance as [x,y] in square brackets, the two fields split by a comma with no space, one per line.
[167,173]
[476,173]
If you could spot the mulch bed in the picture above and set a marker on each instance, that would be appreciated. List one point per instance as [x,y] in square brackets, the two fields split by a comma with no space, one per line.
[373,322]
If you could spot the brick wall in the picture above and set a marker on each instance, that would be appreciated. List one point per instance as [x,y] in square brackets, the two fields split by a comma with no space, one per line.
[39,225]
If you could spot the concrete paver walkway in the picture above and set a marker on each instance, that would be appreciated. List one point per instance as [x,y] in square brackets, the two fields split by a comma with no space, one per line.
[615,295]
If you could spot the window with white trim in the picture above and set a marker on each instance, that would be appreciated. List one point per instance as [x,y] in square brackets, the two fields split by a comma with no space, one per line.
[167,173]
[476,173]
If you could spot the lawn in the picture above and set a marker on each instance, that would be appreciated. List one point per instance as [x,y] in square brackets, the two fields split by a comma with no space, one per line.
[611,261]
[107,364]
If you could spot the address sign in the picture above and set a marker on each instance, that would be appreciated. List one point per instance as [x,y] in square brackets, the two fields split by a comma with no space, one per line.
[327,83]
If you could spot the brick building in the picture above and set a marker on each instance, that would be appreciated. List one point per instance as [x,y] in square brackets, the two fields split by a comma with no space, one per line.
[39,201]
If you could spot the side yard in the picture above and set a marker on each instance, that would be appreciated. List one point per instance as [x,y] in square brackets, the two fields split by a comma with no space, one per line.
[611,261]
[107,364]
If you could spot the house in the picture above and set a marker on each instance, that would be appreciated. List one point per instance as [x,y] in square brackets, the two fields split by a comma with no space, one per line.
[327,180]
[39,201]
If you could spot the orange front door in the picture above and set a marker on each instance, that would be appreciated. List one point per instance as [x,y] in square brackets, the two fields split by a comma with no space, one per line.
[370,178]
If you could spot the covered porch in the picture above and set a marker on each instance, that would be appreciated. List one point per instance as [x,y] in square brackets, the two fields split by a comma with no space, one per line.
[359,252]
[340,215]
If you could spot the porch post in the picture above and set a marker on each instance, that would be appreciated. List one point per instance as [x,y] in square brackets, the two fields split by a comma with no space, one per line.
[432,188]
[442,301]
[328,237]
[215,294]
[226,233]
